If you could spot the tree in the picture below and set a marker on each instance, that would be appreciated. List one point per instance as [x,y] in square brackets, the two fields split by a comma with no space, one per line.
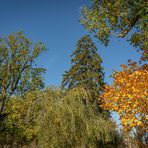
[68,123]
[118,18]
[128,96]
[18,72]
[49,118]
[86,67]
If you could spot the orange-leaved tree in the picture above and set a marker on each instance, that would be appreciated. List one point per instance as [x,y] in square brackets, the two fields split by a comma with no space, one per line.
[128,96]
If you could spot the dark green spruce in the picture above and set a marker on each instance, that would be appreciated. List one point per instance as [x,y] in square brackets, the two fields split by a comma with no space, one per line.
[86,69]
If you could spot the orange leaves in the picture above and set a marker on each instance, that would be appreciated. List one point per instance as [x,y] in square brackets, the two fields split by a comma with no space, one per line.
[128,96]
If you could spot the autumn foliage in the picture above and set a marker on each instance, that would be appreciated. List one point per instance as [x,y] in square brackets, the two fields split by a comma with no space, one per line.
[128,96]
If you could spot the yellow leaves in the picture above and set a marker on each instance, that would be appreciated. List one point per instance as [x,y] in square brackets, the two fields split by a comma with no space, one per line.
[22,118]
[136,104]
[123,66]
[139,122]
[146,117]
[128,96]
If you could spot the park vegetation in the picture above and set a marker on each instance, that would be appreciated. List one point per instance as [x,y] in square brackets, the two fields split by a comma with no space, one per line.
[77,114]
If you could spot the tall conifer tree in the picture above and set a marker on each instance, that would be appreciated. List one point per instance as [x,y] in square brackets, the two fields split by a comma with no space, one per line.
[86,69]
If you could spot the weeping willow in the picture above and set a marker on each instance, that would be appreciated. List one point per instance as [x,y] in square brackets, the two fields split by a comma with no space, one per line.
[54,118]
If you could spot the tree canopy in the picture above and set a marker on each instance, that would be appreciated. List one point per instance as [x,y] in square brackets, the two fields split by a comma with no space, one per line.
[78,114]
[86,69]
[18,70]
[128,96]
[118,18]
[49,118]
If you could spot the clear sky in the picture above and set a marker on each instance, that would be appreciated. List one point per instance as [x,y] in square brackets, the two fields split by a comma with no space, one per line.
[56,24]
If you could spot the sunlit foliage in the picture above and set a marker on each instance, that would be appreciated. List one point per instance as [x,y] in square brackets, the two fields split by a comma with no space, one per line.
[128,96]
[120,19]
[18,70]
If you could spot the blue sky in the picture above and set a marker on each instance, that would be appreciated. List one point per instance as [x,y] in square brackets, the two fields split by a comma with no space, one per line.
[56,24]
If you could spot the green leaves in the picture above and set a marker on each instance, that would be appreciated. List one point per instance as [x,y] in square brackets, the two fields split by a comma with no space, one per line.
[18,73]
[119,18]
[86,67]
[54,118]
